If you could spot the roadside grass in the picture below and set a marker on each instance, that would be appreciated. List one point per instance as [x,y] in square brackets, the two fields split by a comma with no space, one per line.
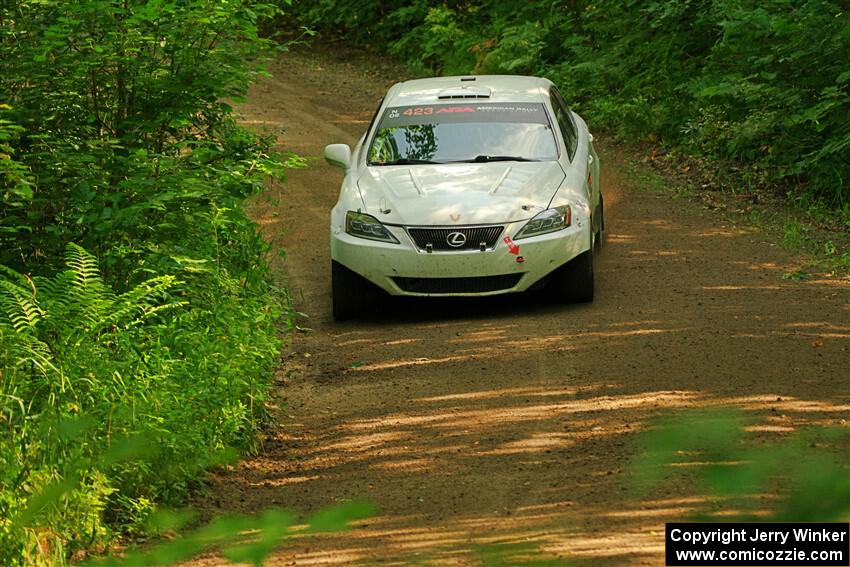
[820,234]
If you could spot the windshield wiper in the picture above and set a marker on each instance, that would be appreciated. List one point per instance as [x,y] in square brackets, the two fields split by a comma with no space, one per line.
[404,161]
[487,158]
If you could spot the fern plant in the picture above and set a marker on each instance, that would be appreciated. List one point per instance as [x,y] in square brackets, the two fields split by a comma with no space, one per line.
[68,348]
[74,310]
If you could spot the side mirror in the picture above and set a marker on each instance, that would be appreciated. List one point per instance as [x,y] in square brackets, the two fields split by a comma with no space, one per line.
[338,155]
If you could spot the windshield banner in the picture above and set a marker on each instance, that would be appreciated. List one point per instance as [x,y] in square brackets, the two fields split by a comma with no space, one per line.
[524,113]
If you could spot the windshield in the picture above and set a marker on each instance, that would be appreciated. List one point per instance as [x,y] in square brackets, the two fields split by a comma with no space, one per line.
[453,133]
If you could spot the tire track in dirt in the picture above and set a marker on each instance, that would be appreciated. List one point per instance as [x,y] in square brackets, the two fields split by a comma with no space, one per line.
[514,419]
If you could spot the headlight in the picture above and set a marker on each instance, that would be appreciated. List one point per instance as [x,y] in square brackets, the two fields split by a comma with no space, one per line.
[367,226]
[549,220]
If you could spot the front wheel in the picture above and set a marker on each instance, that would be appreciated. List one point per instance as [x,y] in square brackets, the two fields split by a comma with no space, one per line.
[351,295]
[600,230]
[573,282]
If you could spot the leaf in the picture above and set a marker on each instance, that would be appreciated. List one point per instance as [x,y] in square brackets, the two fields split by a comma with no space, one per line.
[721,89]
[336,518]
[797,275]
[273,528]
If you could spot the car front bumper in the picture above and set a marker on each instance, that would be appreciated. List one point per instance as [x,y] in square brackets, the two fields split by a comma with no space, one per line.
[404,269]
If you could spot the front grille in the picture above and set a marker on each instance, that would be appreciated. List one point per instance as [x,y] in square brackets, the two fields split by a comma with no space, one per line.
[482,284]
[438,237]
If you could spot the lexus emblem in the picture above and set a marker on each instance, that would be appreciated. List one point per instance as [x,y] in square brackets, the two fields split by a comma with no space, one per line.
[456,239]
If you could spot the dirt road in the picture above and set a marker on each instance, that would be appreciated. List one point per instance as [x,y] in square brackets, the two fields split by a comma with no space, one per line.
[471,422]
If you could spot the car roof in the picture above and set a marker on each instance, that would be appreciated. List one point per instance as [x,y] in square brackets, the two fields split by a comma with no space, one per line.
[492,88]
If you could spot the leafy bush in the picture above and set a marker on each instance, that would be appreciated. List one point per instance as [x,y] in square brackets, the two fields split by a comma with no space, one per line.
[125,128]
[15,181]
[437,44]
[141,364]
[135,300]
[518,51]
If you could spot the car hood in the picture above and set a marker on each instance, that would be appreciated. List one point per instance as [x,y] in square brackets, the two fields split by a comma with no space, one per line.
[459,194]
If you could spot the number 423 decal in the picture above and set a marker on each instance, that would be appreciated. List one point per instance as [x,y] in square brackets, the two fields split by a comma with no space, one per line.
[419,111]
[429,110]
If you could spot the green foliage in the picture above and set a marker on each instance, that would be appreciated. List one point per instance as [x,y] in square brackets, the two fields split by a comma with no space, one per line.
[123,124]
[519,50]
[437,44]
[241,539]
[15,181]
[135,300]
[142,364]
[763,84]
[714,449]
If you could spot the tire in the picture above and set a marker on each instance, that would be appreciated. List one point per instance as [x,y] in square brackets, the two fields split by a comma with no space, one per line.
[573,281]
[351,295]
[600,231]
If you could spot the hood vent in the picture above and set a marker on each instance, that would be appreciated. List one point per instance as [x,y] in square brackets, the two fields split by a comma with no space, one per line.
[464,92]
[447,97]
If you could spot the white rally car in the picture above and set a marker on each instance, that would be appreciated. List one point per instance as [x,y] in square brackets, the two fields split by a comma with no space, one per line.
[466,186]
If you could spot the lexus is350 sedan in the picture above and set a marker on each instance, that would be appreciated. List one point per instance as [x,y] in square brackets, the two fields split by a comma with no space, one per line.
[466,186]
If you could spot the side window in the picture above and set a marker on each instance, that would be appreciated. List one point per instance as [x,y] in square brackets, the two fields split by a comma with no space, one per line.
[565,123]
